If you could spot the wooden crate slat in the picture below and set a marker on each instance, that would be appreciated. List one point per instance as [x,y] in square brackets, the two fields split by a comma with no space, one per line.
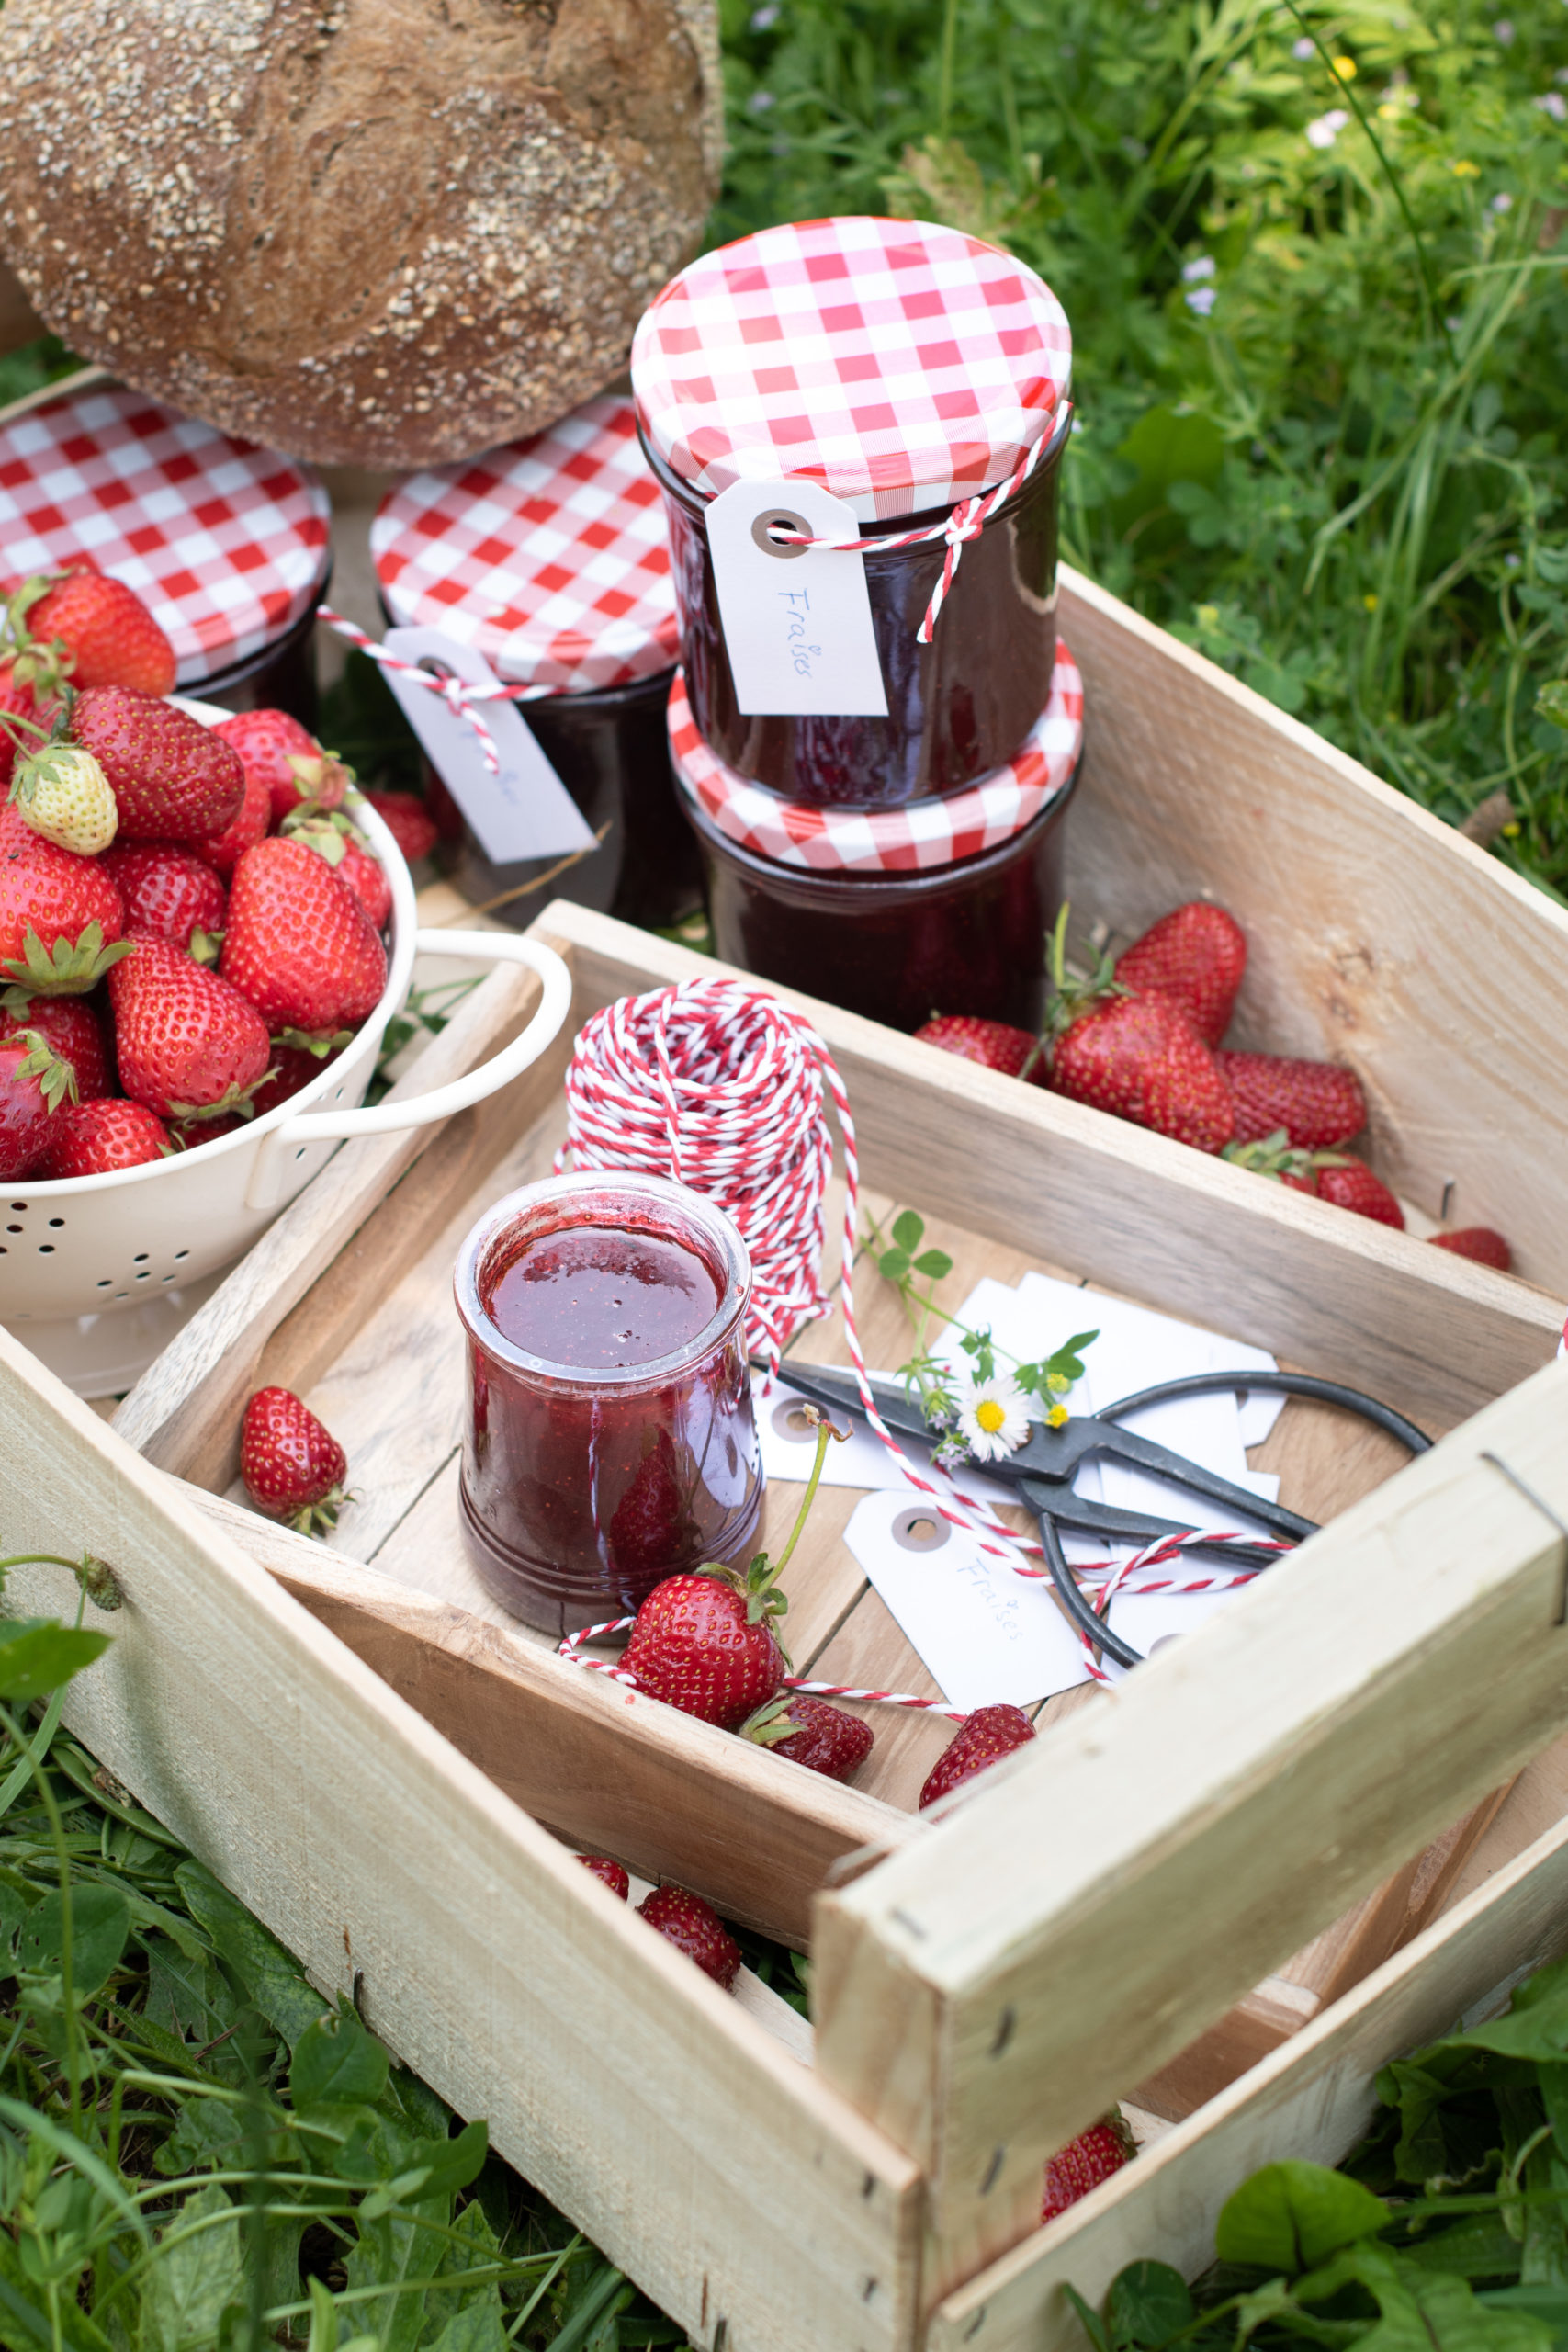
[1401,1665]
[500,1970]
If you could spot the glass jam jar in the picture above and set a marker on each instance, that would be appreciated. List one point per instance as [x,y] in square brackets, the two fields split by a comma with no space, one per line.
[226,544]
[904,368]
[610,1440]
[549,555]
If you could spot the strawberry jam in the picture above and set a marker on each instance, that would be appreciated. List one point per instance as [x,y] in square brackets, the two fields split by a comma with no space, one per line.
[610,1441]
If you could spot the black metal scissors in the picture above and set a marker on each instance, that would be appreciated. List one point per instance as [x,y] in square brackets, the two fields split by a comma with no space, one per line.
[1043,1467]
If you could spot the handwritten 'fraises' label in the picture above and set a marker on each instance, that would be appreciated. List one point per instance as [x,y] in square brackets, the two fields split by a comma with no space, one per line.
[796,621]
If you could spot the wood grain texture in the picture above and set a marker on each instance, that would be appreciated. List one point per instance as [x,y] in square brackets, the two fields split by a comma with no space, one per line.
[495,1966]
[1311,2099]
[1240,1791]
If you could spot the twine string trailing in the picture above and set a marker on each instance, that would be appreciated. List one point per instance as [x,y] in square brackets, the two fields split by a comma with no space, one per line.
[725,1087]
[463,700]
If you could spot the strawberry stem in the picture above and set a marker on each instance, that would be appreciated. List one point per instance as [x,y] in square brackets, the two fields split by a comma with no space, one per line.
[825,1430]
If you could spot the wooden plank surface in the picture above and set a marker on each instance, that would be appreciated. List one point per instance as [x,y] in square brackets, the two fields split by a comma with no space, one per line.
[1403,1662]
[636,2095]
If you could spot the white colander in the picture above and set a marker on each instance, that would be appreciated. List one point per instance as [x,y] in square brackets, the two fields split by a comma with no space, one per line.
[78,1254]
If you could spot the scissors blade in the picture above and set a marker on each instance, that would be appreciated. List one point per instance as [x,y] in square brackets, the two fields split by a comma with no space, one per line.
[1083,1517]
[1144,1453]
[839,1393]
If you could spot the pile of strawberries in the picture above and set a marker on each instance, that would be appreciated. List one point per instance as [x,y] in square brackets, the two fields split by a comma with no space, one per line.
[1142,1038]
[190,920]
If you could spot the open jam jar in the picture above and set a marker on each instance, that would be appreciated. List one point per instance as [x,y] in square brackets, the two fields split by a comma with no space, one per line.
[227,545]
[905,368]
[610,1441]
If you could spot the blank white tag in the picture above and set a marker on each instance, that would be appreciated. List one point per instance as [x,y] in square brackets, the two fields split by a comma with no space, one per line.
[796,621]
[523,812]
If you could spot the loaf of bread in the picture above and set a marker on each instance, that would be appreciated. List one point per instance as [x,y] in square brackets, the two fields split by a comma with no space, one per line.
[383,232]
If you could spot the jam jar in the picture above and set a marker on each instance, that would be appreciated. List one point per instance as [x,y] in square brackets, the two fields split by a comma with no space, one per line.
[549,557]
[226,544]
[944,907]
[905,369]
[610,1440]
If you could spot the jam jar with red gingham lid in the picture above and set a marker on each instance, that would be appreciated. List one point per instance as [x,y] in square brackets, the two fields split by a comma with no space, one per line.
[550,557]
[911,371]
[227,545]
[944,906]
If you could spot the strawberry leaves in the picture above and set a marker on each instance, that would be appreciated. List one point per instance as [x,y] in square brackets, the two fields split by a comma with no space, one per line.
[68,968]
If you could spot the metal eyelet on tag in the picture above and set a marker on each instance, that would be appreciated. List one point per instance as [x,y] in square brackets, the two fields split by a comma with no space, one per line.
[920,1529]
[782,520]
[790,1422]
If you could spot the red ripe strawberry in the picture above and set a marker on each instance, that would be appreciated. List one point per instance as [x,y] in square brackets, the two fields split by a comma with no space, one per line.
[1317,1103]
[1140,1058]
[172,779]
[609,1873]
[339,841]
[1479,1242]
[1353,1186]
[704,1643]
[99,1137]
[990,1734]
[298,942]
[169,893]
[292,1068]
[276,746]
[808,1731]
[1196,953]
[110,637]
[224,852]
[32,1085]
[16,702]
[61,915]
[408,820]
[1084,2163]
[695,1928]
[995,1044]
[70,1026]
[292,1466]
[186,1041]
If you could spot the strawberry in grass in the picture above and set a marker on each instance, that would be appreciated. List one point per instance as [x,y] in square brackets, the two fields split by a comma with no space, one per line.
[33,1084]
[995,1044]
[1085,2162]
[1317,1104]
[71,1027]
[172,779]
[1137,1056]
[694,1927]
[170,893]
[989,1734]
[1197,954]
[287,759]
[299,943]
[292,1466]
[108,636]
[100,1138]
[189,1045]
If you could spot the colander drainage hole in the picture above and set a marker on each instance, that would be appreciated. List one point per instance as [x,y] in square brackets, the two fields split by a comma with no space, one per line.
[119,1295]
[13,1228]
[142,1257]
[57,1220]
[20,1207]
[46,1249]
[179,1254]
[105,1283]
[144,1275]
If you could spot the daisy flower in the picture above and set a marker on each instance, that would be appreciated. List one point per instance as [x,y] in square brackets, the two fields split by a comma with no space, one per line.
[991,1418]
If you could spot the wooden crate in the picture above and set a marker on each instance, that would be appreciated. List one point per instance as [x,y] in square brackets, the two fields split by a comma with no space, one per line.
[985,1983]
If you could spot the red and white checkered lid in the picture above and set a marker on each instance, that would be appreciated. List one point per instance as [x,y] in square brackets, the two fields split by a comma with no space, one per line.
[900,366]
[226,544]
[549,555]
[886,840]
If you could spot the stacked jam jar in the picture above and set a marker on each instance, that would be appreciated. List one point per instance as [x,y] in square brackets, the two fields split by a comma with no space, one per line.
[550,557]
[227,545]
[909,863]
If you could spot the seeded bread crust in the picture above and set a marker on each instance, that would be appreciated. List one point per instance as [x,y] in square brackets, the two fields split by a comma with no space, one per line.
[379,232]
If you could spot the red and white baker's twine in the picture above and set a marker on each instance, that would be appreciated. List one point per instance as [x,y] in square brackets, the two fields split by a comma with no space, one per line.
[461,699]
[721,1086]
[965,522]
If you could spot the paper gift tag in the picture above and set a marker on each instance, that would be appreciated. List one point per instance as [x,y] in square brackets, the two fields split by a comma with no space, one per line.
[985,1634]
[525,811]
[789,1447]
[796,621]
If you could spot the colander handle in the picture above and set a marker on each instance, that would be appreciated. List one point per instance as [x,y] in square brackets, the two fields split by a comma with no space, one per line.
[424,1109]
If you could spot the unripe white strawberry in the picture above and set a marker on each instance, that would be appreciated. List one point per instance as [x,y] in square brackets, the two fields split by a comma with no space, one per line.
[63,794]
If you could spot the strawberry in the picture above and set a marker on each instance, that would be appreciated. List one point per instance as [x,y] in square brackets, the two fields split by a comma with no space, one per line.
[298,942]
[293,1467]
[339,841]
[1141,1058]
[995,1044]
[110,637]
[170,893]
[100,1137]
[172,779]
[1477,1241]
[704,1643]
[60,916]
[16,702]
[609,1873]
[292,1068]
[989,1734]
[72,1030]
[33,1083]
[1317,1103]
[223,853]
[1196,953]
[64,796]
[808,1731]
[1351,1185]
[1085,2162]
[695,1928]
[1333,1175]
[188,1044]
[408,820]
[276,746]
